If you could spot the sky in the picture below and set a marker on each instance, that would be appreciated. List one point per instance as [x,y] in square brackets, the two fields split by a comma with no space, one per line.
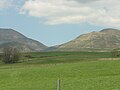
[54,22]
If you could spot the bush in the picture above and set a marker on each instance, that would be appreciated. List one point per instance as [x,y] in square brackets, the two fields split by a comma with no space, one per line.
[10,55]
[29,56]
[115,53]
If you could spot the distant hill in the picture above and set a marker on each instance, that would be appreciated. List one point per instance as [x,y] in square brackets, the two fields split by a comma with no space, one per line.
[10,37]
[105,40]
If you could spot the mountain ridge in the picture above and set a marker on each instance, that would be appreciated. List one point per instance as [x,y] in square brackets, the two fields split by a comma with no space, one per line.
[10,37]
[104,40]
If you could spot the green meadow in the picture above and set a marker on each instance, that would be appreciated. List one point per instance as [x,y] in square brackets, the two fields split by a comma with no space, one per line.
[76,71]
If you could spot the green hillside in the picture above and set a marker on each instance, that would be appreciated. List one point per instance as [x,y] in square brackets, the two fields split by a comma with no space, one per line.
[76,70]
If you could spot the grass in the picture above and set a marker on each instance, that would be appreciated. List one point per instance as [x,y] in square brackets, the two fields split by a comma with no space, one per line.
[64,57]
[76,70]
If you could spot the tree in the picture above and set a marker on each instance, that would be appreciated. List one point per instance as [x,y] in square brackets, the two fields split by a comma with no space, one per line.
[10,55]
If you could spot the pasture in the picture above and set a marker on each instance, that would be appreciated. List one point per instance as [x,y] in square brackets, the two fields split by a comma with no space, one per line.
[76,70]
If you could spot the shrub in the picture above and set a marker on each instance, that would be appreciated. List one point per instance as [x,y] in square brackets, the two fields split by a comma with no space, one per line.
[10,55]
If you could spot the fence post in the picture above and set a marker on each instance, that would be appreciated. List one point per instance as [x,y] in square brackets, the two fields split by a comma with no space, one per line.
[58,84]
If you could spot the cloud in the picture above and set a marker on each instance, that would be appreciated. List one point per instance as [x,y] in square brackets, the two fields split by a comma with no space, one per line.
[86,1]
[100,12]
[5,4]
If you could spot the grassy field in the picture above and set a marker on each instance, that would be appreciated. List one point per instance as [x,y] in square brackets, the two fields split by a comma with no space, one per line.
[76,70]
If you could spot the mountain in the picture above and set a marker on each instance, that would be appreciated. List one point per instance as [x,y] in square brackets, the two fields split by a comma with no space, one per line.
[104,40]
[10,37]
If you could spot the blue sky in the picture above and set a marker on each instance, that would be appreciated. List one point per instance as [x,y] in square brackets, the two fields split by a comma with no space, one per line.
[54,23]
